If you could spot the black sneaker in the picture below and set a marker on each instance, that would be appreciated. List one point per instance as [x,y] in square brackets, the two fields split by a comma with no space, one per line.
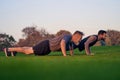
[7,53]
[13,53]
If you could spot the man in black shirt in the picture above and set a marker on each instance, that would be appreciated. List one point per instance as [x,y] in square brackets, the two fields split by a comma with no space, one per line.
[89,41]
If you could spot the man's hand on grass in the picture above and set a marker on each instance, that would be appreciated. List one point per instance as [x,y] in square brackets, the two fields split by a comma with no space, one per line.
[91,54]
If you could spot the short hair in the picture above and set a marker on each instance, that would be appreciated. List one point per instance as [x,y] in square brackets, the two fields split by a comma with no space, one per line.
[101,32]
[78,32]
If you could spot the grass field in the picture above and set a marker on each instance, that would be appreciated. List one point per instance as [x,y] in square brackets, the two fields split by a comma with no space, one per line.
[104,65]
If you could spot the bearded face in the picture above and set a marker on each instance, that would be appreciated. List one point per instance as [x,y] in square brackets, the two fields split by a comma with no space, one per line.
[103,36]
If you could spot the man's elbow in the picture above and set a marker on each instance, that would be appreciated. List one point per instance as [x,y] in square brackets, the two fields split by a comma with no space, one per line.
[85,44]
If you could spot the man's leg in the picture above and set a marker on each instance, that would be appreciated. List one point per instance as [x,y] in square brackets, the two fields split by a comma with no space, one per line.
[25,50]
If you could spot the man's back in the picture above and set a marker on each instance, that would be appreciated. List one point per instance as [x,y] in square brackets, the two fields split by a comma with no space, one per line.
[81,45]
[55,42]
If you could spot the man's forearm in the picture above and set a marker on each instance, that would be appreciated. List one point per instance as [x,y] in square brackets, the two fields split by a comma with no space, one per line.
[71,52]
[87,49]
[87,43]
[64,52]
[63,47]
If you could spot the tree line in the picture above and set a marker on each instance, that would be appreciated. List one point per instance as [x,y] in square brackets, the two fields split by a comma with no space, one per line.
[31,36]
[6,41]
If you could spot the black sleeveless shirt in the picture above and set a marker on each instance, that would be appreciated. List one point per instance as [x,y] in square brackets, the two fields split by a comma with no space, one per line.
[81,45]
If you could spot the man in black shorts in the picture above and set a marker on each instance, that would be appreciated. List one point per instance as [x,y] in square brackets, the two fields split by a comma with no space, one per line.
[62,42]
[89,41]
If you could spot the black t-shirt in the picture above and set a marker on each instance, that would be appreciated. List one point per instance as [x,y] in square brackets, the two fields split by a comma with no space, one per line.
[81,45]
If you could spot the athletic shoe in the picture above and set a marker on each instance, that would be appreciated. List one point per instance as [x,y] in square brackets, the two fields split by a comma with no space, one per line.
[13,53]
[7,53]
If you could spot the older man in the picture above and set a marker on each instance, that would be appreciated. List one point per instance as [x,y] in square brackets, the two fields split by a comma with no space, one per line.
[63,43]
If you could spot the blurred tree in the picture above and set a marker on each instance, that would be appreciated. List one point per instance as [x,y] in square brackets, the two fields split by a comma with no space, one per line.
[108,41]
[28,30]
[6,41]
[114,37]
[33,36]
[62,32]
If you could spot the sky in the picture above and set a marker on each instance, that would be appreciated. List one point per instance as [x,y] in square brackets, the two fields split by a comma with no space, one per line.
[88,16]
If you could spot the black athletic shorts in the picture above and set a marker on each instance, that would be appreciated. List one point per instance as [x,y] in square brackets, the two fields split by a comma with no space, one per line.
[42,48]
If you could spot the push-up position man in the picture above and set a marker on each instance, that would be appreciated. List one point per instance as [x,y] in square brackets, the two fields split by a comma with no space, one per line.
[63,43]
[89,41]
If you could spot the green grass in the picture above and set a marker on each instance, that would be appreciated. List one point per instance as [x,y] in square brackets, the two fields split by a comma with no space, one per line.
[104,65]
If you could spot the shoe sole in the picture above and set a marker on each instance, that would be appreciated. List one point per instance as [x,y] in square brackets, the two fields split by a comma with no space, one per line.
[8,53]
[5,50]
[12,53]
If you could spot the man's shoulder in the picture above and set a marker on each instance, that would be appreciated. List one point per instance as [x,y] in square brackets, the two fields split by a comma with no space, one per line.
[86,38]
[93,36]
[67,35]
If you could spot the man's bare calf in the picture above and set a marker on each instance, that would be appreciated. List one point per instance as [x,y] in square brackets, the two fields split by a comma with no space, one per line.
[25,50]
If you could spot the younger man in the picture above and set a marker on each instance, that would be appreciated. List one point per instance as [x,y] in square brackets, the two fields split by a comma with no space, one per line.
[89,41]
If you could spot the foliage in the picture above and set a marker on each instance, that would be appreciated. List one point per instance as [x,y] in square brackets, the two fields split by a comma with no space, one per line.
[6,41]
[114,37]
[33,36]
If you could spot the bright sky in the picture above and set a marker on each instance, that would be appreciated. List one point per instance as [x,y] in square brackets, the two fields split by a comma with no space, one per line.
[88,16]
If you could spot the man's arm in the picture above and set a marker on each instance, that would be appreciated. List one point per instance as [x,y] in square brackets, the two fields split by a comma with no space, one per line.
[87,48]
[71,51]
[63,47]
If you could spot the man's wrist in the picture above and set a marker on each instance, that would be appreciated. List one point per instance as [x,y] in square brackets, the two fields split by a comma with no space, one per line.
[64,55]
[90,54]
